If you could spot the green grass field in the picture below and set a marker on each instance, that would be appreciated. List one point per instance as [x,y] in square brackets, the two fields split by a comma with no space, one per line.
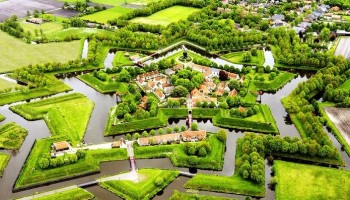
[109,14]
[166,16]
[103,86]
[12,136]
[47,27]
[4,84]
[114,2]
[146,188]
[185,196]
[308,182]
[4,159]
[346,17]
[237,57]
[65,115]
[72,194]
[121,60]
[19,54]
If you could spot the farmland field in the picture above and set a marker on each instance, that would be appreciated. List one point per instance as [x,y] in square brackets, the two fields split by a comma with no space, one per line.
[19,54]
[300,181]
[109,14]
[343,47]
[47,27]
[167,16]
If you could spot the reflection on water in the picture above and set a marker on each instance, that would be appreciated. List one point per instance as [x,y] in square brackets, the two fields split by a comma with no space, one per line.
[85,49]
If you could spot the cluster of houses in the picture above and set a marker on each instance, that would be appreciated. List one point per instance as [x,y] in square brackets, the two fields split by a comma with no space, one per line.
[185,136]
[155,82]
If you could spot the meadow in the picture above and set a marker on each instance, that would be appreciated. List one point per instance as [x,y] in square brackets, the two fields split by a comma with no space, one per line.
[106,15]
[4,84]
[301,181]
[237,57]
[12,136]
[19,54]
[166,16]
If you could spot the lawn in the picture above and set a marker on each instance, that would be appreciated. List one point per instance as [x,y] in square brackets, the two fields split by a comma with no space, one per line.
[66,115]
[308,182]
[237,57]
[7,85]
[151,181]
[12,136]
[72,194]
[345,85]
[4,159]
[47,27]
[109,14]
[271,85]
[19,54]
[166,16]
[121,60]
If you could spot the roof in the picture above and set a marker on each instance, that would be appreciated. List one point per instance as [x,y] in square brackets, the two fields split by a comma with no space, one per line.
[151,84]
[159,93]
[143,141]
[189,135]
[219,92]
[196,93]
[61,145]
[159,139]
[169,71]
[233,93]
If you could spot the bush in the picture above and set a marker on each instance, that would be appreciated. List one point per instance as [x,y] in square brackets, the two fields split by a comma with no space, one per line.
[202,152]
[80,153]
[159,181]
[222,135]
[193,160]
[194,127]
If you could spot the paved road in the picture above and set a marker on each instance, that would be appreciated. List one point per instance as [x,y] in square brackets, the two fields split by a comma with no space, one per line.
[20,7]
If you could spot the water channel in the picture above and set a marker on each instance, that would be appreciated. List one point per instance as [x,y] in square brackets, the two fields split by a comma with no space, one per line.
[94,135]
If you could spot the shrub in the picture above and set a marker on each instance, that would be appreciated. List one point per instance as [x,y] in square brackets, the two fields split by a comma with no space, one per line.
[222,135]
[169,130]
[202,152]
[194,127]
[159,181]
[80,153]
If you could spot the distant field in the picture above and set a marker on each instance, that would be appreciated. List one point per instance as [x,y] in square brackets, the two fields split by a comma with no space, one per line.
[47,27]
[109,14]
[19,54]
[114,2]
[167,16]
[343,47]
[300,181]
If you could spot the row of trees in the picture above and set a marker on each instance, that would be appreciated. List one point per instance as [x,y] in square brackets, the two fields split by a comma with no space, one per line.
[47,162]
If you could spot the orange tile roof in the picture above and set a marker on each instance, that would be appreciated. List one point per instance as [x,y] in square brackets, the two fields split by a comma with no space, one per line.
[59,146]
[190,135]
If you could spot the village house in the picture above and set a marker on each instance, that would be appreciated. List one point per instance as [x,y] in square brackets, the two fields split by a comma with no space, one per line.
[219,92]
[159,94]
[134,57]
[232,75]
[233,93]
[119,144]
[61,146]
[148,75]
[167,87]
[193,136]
[143,102]
[159,139]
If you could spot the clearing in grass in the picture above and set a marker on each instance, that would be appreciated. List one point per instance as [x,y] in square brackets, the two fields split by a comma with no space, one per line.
[301,181]
[19,54]
[65,115]
[148,183]
[106,15]
[12,136]
[167,16]
[4,159]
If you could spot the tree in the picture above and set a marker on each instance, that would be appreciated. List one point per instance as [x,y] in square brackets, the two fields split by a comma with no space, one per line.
[183,128]
[247,56]
[194,126]
[179,91]
[152,132]
[144,134]
[160,131]
[222,135]
[136,136]
[191,151]
[44,163]
[128,136]
[234,84]
[124,76]
[168,130]
[223,76]
[325,34]
[202,152]
[176,129]
[80,153]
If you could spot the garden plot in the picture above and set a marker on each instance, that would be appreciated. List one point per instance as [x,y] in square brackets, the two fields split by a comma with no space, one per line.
[343,47]
[341,119]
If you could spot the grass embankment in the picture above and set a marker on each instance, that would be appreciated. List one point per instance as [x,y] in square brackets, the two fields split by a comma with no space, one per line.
[160,120]
[167,16]
[103,86]
[2,118]
[214,160]
[4,159]
[16,96]
[46,28]
[19,53]
[32,175]
[66,115]
[345,85]
[227,184]
[76,33]
[204,113]
[275,84]
[177,55]
[332,126]
[263,121]
[151,181]
[175,112]
[4,84]
[105,15]
[12,136]
[300,181]
[237,57]
[185,196]
[72,194]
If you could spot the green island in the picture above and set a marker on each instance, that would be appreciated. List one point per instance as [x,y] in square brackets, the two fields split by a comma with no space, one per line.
[148,183]
[4,159]
[12,136]
[144,98]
